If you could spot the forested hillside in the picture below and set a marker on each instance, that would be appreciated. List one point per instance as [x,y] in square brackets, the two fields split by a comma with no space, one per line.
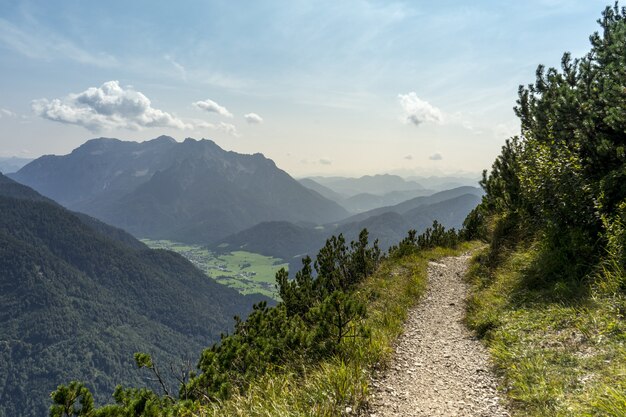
[78,298]
[550,293]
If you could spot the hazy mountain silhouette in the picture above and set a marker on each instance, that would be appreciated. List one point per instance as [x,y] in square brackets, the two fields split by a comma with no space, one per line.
[406,206]
[386,190]
[371,184]
[192,191]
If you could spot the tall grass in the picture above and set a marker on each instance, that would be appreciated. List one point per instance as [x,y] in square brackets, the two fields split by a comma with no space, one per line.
[559,343]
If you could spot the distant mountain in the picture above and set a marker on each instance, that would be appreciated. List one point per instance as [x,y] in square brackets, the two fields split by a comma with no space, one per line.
[364,202]
[441,183]
[325,191]
[12,164]
[390,226]
[192,191]
[393,191]
[76,303]
[289,242]
[411,204]
[370,184]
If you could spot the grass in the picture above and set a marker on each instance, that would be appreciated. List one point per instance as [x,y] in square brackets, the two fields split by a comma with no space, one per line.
[560,346]
[247,272]
[340,385]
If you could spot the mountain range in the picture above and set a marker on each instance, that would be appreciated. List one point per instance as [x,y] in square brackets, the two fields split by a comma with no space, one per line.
[358,195]
[389,225]
[192,191]
[368,184]
[78,298]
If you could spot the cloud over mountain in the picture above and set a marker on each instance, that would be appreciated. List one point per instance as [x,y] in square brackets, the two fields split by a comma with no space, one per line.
[436,157]
[227,128]
[253,118]
[212,107]
[418,111]
[109,106]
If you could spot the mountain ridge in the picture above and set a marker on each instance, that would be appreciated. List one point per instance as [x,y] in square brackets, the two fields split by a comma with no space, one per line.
[175,190]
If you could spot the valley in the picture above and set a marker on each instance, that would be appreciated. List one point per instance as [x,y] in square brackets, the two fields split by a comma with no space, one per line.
[246,272]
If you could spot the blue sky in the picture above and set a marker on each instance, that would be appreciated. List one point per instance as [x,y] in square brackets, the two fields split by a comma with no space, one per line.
[325,87]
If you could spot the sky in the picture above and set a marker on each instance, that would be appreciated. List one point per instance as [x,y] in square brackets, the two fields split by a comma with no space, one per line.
[352,87]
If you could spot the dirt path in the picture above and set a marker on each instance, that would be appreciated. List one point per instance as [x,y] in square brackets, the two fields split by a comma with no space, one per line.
[439,368]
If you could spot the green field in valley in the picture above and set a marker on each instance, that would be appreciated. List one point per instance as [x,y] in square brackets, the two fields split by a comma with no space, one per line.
[247,272]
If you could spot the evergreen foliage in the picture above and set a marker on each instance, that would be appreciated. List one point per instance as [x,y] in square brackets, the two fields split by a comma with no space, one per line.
[315,316]
[434,236]
[320,312]
[564,177]
[550,291]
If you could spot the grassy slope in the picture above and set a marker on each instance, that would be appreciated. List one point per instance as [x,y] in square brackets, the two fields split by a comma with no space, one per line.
[561,348]
[343,382]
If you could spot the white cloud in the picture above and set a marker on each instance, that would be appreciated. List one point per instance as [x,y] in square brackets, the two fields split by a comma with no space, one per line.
[253,118]
[325,161]
[227,128]
[212,107]
[418,111]
[436,157]
[221,126]
[107,107]
[7,113]
[408,157]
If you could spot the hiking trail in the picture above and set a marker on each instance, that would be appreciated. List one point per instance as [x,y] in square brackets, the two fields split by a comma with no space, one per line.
[439,367]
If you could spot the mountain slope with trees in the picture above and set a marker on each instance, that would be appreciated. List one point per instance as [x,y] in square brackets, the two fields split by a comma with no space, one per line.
[77,303]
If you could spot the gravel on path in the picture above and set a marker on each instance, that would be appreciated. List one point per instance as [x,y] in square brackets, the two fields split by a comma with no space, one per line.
[439,367]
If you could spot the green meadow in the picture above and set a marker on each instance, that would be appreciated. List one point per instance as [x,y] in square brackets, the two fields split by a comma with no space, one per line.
[247,272]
